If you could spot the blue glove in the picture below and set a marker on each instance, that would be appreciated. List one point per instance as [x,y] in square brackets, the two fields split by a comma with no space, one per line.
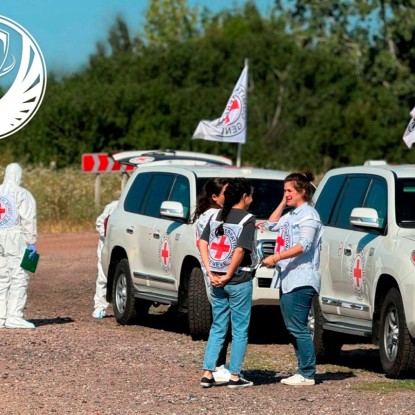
[32,248]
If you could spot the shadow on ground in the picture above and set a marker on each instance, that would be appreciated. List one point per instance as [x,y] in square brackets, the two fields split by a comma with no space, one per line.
[266,327]
[359,358]
[51,321]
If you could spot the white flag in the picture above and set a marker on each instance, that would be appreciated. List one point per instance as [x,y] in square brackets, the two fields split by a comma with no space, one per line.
[231,127]
[409,134]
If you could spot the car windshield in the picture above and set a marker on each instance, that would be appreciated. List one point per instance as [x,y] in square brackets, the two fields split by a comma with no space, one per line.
[405,203]
[267,195]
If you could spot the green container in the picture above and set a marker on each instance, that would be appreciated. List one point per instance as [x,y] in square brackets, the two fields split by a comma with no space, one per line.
[29,264]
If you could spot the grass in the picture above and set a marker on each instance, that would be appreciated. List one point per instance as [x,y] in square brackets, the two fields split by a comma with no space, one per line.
[387,386]
[65,198]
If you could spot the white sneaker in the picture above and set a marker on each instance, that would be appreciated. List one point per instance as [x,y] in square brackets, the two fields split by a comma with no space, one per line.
[19,323]
[99,314]
[298,380]
[221,374]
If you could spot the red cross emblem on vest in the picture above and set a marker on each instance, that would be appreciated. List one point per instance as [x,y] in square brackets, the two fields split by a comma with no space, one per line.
[279,243]
[2,210]
[220,247]
[357,272]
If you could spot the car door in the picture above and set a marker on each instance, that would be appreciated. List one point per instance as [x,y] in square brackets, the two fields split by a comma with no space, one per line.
[151,230]
[359,256]
[162,265]
[132,223]
[336,284]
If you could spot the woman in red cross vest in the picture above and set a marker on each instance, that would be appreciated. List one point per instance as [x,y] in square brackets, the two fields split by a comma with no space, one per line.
[209,202]
[228,252]
[297,258]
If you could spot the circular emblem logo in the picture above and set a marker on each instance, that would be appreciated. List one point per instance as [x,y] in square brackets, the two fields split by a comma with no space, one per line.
[23,68]
[141,160]
[232,121]
[165,253]
[283,240]
[357,274]
[5,211]
[221,248]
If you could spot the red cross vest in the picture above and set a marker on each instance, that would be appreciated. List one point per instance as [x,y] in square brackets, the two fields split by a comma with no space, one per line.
[284,241]
[7,211]
[222,247]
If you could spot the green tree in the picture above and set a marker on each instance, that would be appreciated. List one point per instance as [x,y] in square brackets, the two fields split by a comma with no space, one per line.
[169,21]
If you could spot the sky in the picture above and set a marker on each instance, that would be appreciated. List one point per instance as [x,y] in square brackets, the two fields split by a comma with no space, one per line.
[67,30]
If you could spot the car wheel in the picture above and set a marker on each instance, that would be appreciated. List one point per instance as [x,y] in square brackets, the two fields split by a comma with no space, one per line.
[123,297]
[396,347]
[327,344]
[199,309]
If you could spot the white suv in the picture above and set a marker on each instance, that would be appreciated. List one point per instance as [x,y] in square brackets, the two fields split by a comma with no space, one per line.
[150,253]
[368,263]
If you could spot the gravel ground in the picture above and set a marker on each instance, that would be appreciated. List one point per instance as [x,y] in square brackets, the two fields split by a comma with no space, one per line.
[73,364]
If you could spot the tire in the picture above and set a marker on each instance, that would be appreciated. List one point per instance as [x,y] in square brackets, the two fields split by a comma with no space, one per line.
[327,344]
[199,312]
[396,346]
[123,300]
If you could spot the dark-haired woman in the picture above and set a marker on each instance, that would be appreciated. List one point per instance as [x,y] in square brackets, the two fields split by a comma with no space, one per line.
[227,248]
[297,257]
[209,202]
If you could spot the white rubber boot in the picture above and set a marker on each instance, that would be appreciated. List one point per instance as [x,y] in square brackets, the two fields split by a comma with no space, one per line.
[18,323]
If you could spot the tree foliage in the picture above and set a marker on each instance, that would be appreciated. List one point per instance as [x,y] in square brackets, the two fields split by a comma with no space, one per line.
[330,83]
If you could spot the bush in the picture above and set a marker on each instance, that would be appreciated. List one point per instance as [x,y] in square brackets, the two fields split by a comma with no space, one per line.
[65,198]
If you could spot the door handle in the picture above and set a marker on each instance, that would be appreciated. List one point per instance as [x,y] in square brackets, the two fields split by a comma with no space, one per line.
[130,230]
[156,235]
[347,251]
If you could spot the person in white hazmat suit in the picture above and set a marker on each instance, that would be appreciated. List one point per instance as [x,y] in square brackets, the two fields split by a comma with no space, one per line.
[100,302]
[18,231]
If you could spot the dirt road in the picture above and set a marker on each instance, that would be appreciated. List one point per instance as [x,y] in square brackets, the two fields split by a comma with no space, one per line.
[73,364]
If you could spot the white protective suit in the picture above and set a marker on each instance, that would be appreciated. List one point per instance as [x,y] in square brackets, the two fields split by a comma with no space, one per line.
[17,230]
[100,303]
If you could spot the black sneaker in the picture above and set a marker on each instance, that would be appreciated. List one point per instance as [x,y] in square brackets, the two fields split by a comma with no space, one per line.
[207,382]
[240,383]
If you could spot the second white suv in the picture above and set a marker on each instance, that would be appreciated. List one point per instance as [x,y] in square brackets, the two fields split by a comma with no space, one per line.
[368,263]
[150,254]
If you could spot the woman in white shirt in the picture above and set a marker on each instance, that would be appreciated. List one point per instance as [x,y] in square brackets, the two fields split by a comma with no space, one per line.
[297,257]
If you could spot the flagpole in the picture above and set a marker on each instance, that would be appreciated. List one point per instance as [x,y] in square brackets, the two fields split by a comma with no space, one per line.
[238,156]
[239,151]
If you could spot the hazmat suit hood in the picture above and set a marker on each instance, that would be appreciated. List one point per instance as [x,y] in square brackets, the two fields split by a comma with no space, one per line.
[13,175]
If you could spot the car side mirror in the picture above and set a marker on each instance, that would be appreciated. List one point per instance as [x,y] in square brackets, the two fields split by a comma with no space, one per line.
[172,210]
[366,218]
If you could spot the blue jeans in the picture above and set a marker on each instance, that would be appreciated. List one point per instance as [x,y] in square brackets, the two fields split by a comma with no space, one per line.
[232,303]
[295,307]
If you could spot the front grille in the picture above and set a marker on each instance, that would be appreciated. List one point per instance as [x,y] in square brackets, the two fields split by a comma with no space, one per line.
[266,247]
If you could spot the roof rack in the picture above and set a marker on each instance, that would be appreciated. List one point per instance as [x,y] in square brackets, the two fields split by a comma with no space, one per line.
[138,157]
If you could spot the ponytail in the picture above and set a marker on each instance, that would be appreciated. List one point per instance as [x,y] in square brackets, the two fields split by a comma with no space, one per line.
[237,187]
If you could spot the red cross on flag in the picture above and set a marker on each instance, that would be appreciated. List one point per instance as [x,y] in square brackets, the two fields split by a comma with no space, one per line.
[231,126]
